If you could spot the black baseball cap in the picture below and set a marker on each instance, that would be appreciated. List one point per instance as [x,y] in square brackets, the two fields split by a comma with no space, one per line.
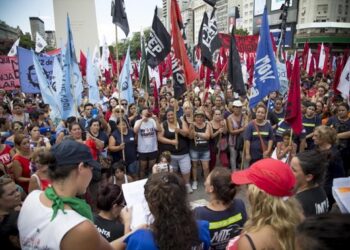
[70,152]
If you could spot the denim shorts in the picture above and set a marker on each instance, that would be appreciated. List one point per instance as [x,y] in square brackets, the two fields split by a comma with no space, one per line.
[199,155]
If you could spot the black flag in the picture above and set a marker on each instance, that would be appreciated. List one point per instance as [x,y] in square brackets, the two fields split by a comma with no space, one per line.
[210,2]
[119,15]
[208,39]
[158,44]
[234,72]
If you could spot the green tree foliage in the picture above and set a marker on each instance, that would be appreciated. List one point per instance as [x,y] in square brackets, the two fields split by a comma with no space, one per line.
[26,41]
[241,32]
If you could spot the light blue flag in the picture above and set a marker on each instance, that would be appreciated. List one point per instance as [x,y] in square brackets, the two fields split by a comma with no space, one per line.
[47,92]
[265,71]
[91,78]
[125,84]
[71,69]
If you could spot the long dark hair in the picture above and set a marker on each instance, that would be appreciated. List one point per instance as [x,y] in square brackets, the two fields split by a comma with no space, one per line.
[174,226]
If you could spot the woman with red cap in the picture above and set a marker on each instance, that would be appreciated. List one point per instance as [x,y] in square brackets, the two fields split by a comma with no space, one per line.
[274,214]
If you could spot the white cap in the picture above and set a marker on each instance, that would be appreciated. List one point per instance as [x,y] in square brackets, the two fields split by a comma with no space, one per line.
[237,103]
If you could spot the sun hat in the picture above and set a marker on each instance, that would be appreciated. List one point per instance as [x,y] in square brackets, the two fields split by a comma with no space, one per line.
[237,103]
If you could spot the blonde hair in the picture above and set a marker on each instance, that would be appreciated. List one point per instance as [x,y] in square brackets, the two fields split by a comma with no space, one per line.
[281,215]
[187,104]
[326,134]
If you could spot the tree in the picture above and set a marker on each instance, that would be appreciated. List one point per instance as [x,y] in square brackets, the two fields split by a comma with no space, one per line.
[26,41]
[241,32]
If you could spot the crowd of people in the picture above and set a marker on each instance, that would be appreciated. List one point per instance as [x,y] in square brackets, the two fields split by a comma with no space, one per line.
[60,183]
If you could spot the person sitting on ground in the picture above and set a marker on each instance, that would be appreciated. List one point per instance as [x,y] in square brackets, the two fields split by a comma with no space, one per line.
[10,201]
[309,168]
[274,213]
[119,175]
[164,163]
[110,201]
[226,215]
[324,232]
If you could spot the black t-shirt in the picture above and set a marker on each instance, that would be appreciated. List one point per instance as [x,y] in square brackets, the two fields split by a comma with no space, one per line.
[182,145]
[314,201]
[223,225]
[8,227]
[341,126]
[109,229]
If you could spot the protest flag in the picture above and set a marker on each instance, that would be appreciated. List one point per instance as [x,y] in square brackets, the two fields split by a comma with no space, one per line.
[234,71]
[265,70]
[105,55]
[293,114]
[210,2]
[82,63]
[13,50]
[183,71]
[91,79]
[208,39]
[344,82]
[125,84]
[72,79]
[47,92]
[305,54]
[119,15]
[40,43]
[158,44]
[144,74]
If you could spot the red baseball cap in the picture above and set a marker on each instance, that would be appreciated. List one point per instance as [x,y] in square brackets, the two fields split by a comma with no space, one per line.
[273,176]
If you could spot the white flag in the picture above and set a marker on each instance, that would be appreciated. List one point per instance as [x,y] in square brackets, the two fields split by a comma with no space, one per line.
[322,58]
[344,82]
[105,56]
[40,43]
[96,61]
[309,58]
[13,50]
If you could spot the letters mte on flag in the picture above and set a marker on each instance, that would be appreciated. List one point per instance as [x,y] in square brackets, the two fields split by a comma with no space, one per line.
[158,44]
[119,15]
[265,70]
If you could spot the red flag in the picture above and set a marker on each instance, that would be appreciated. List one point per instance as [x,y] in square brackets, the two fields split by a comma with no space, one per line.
[326,61]
[337,74]
[207,82]
[201,72]
[293,112]
[313,64]
[113,63]
[82,63]
[107,75]
[305,53]
[183,71]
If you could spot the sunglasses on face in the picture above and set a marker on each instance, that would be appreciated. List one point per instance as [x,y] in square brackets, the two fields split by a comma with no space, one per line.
[119,111]
[124,104]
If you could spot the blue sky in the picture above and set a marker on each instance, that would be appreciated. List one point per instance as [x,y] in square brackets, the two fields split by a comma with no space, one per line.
[139,12]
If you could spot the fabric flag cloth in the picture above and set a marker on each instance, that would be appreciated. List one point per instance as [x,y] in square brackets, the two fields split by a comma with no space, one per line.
[322,57]
[144,74]
[113,64]
[344,82]
[13,50]
[265,70]
[210,2]
[105,55]
[158,44]
[208,39]
[72,86]
[96,60]
[91,79]
[125,83]
[47,92]
[183,71]
[119,15]
[40,43]
[338,71]
[82,63]
[234,71]
[293,114]
[305,55]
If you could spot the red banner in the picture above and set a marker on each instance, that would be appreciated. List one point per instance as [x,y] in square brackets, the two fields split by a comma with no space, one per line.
[9,74]
[246,44]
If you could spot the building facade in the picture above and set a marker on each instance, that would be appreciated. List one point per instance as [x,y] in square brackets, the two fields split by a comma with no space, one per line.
[324,21]
[51,38]
[9,33]
[37,25]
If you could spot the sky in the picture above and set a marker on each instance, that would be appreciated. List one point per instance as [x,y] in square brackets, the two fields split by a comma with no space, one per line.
[140,14]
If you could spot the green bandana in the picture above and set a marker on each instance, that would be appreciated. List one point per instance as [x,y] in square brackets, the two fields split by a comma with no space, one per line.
[78,205]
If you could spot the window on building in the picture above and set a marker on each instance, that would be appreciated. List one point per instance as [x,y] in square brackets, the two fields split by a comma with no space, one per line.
[322,8]
[340,9]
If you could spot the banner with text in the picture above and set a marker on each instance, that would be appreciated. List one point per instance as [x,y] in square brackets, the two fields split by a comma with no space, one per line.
[9,76]
[28,78]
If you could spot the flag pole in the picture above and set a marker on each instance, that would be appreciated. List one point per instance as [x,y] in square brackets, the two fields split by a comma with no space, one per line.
[118,84]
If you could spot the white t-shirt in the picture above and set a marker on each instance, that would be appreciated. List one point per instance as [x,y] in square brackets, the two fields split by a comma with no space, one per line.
[147,136]
[37,231]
